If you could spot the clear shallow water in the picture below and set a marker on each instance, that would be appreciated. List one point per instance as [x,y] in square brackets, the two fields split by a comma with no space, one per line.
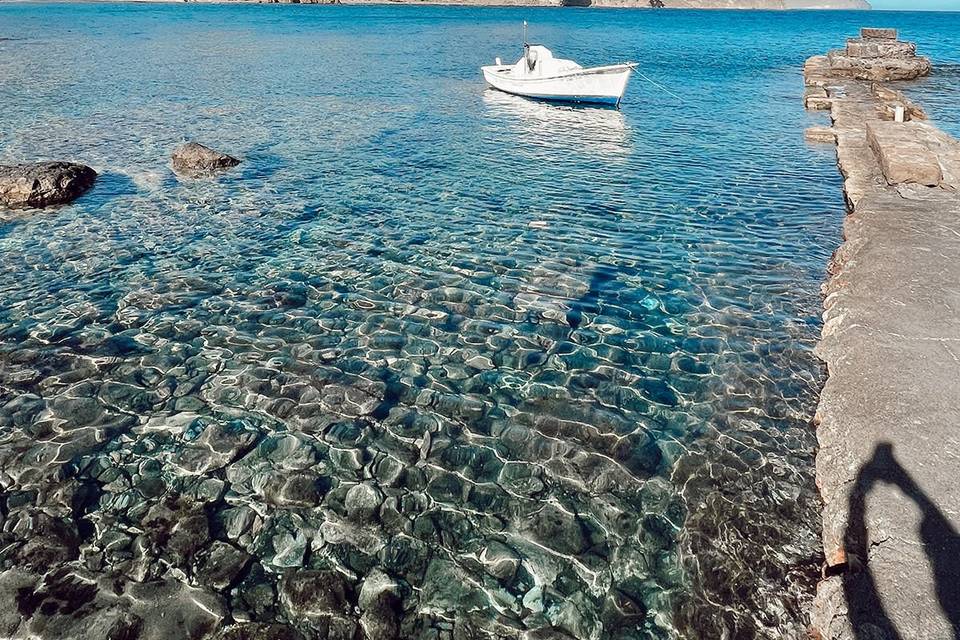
[546,368]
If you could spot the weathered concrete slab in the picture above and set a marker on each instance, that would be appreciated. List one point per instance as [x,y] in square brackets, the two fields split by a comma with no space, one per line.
[888,422]
[902,154]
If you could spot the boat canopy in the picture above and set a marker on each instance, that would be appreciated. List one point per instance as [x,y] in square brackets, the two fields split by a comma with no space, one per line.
[538,61]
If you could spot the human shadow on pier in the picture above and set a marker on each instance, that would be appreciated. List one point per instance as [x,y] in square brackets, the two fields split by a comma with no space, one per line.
[937,535]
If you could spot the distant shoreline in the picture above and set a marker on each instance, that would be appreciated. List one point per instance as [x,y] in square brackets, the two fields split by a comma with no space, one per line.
[746,5]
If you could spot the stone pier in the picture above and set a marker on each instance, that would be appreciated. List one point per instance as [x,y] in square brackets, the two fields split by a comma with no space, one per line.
[888,422]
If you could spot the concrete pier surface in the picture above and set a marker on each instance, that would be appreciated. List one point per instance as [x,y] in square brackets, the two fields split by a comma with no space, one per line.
[888,422]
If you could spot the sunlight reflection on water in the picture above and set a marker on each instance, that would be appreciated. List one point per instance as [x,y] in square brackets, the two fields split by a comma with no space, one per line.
[547,368]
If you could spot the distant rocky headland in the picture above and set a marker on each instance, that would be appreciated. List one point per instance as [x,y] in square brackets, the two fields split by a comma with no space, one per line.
[639,4]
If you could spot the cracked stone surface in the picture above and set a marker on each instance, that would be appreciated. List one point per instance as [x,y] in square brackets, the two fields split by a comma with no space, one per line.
[889,412]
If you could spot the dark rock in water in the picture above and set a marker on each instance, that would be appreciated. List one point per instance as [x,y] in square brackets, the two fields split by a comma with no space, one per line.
[41,184]
[259,631]
[288,542]
[381,605]
[217,446]
[500,561]
[127,626]
[639,454]
[255,594]
[362,502]
[194,158]
[52,542]
[72,603]
[557,529]
[323,600]
[222,565]
[177,530]
[406,556]
[303,489]
[61,590]
[316,593]
[627,598]
[548,633]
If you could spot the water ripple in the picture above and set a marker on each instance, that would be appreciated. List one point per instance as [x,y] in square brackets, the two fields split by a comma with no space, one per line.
[544,368]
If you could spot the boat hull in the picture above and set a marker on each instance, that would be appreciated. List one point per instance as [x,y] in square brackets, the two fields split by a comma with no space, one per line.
[598,85]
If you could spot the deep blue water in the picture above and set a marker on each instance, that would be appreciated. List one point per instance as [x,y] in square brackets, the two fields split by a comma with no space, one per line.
[565,353]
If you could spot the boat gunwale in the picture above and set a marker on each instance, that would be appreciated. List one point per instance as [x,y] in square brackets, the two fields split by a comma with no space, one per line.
[604,70]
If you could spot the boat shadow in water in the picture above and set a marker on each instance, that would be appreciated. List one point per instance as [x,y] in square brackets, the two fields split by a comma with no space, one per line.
[936,536]
[561,126]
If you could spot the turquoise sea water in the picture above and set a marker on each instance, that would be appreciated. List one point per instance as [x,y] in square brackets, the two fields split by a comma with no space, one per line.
[549,369]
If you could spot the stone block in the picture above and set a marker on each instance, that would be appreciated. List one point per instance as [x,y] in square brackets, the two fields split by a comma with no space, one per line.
[818,103]
[890,96]
[874,33]
[877,69]
[902,155]
[861,48]
[820,134]
[816,70]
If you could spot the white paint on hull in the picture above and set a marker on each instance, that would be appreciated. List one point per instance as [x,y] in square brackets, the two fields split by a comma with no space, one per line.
[604,85]
[539,75]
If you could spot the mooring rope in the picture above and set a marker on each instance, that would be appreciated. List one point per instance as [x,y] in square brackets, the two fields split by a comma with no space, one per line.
[660,86]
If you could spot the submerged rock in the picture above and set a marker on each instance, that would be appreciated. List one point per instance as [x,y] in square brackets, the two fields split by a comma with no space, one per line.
[362,502]
[259,631]
[314,592]
[381,606]
[255,596]
[73,603]
[288,548]
[41,184]
[557,529]
[221,566]
[500,561]
[176,529]
[193,157]
[324,600]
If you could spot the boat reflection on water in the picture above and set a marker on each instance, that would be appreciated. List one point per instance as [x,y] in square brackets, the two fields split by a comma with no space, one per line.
[559,127]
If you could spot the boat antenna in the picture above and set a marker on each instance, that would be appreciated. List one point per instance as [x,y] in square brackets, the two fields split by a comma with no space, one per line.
[524,33]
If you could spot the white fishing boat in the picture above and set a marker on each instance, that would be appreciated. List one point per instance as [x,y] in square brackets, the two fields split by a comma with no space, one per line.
[539,75]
